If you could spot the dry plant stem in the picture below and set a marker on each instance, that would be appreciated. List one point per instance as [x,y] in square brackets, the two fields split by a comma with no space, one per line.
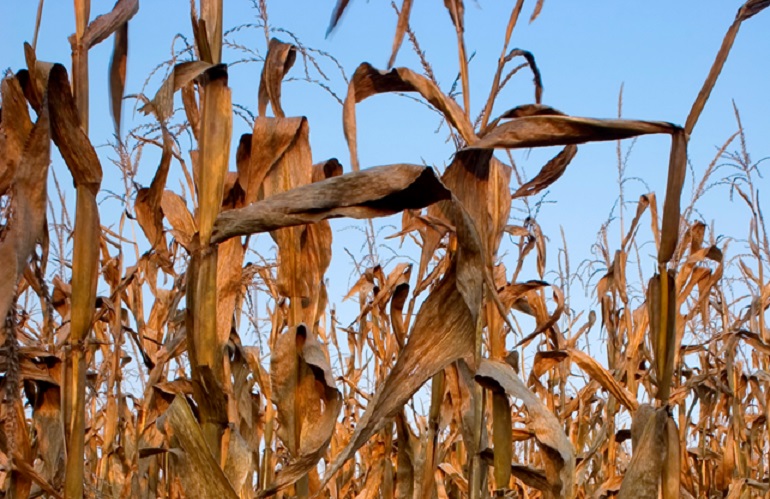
[431,449]
[85,270]
[476,479]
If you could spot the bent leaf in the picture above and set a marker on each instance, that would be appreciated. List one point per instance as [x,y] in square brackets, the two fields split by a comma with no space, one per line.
[543,423]
[375,192]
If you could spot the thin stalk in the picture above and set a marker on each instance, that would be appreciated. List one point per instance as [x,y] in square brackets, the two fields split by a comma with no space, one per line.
[475,480]
[436,398]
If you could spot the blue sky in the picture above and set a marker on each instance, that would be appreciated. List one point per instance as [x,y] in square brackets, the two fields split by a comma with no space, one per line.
[660,51]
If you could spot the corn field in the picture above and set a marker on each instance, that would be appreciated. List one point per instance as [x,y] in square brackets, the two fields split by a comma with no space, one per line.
[154,353]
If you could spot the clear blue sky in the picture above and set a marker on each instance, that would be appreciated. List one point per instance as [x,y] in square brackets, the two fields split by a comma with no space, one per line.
[659,50]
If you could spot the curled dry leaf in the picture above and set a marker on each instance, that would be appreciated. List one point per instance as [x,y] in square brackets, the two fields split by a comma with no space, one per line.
[443,332]
[148,199]
[644,472]
[374,192]
[280,58]
[182,222]
[162,105]
[201,475]
[28,198]
[307,402]
[339,9]
[555,130]
[368,81]
[103,26]
[73,143]
[546,427]
[216,133]
[15,127]
[598,373]
[550,173]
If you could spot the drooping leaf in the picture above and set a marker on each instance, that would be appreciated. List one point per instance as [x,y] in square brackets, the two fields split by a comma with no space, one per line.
[550,173]
[544,424]
[27,222]
[203,476]
[403,23]
[374,192]
[554,130]
[644,471]
[307,401]
[598,373]
[368,81]
[280,58]
[162,105]
[443,332]
[118,74]
[103,26]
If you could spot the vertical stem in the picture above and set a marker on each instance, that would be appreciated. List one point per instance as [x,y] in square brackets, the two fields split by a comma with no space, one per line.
[436,398]
[84,276]
[475,480]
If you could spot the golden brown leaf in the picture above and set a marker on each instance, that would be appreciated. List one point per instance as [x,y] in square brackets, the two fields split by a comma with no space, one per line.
[644,471]
[403,23]
[280,58]
[542,422]
[368,81]
[118,74]
[550,173]
[204,477]
[374,192]
[307,402]
[103,26]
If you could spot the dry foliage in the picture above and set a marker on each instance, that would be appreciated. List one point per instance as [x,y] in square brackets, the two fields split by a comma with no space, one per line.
[209,415]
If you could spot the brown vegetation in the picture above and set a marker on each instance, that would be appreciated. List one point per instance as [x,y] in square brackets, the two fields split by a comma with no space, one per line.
[213,416]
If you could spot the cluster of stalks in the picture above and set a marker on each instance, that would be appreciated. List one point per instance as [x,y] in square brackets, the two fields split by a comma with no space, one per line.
[325,406]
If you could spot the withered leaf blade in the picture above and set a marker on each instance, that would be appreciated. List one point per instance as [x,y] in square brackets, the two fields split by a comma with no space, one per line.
[751,8]
[326,169]
[339,9]
[444,331]
[537,78]
[677,169]
[77,151]
[662,334]
[374,192]
[550,173]
[280,146]
[118,74]
[644,471]
[536,11]
[307,399]
[598,373]
[216,133]
[542,422]
[15,127]
[403,23]
[103,26]
[280,58]
[181,220]
[368,81]
[206,478]
[148,200]
[554,130]
[28,199]
[162,105]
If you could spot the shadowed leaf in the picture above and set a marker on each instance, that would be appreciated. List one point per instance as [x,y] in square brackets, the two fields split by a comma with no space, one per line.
[280,58]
